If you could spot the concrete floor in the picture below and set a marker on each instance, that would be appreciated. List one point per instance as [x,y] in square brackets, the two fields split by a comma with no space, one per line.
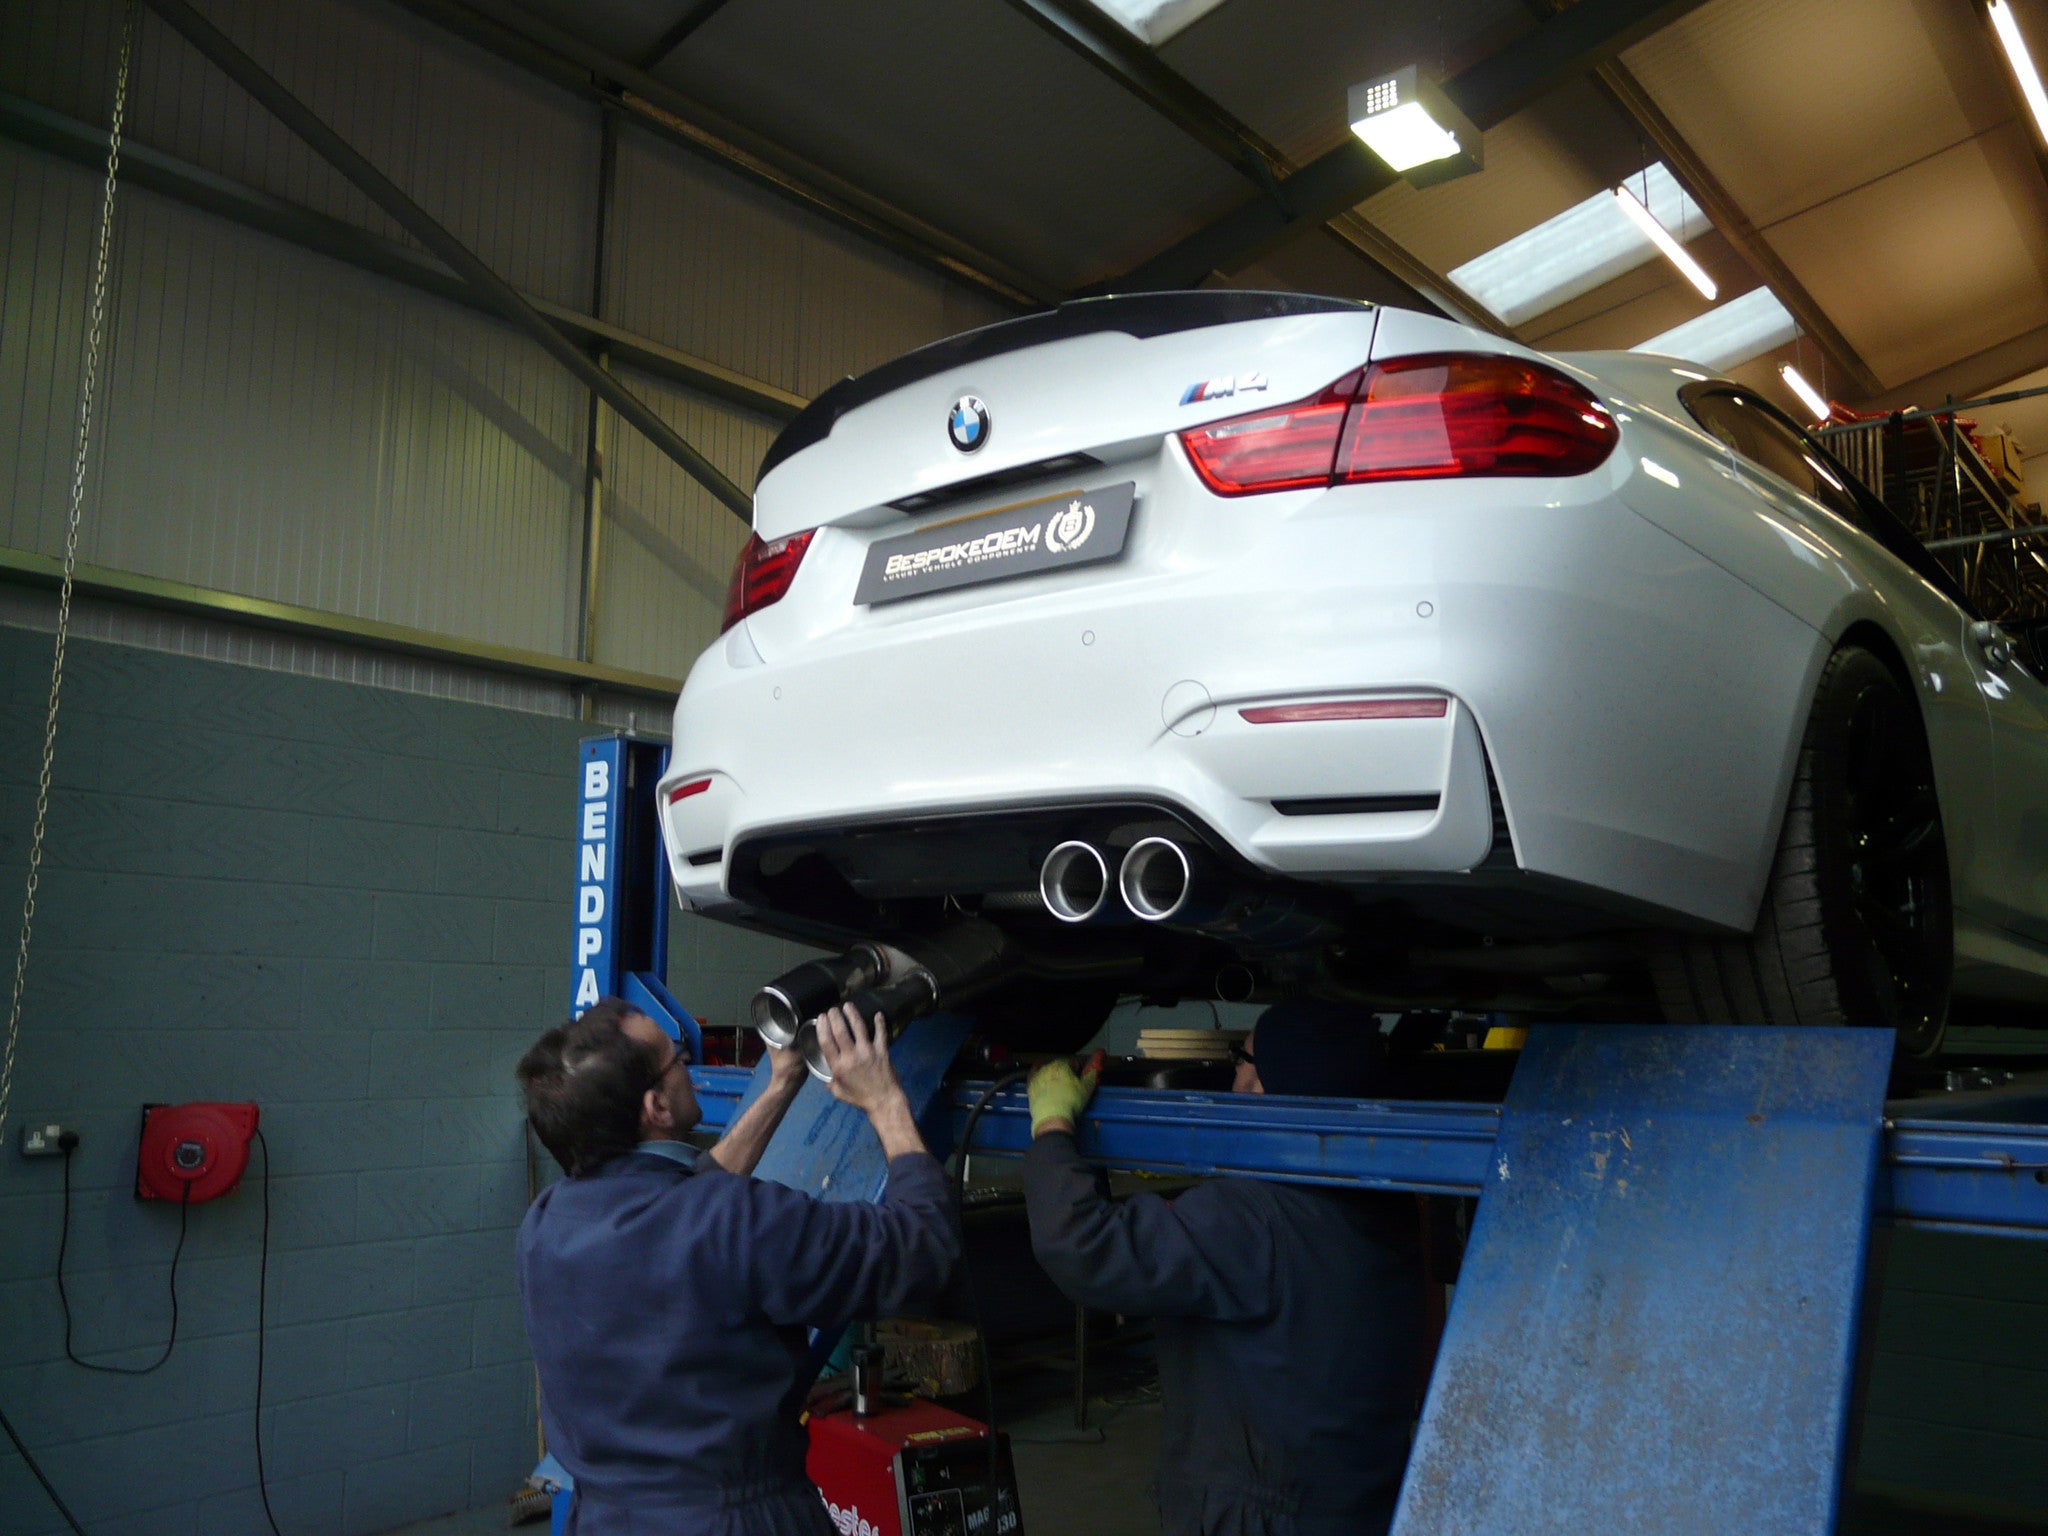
[1092,1482]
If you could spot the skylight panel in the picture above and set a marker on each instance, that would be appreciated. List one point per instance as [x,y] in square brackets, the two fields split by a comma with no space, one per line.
[1590,243]
[1729,334]
[1157,20]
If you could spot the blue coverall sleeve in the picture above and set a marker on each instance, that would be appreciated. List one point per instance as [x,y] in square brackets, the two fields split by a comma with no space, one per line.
[821,1263]
[1206,1254]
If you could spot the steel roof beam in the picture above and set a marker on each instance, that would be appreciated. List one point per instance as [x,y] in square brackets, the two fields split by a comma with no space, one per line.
[1727,216]
[38,127]
[423,227]
[541,47]
[679,32]
[1489,92]
[1101,40]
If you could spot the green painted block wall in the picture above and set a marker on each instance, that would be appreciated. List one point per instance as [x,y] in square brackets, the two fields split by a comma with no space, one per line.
[353,906]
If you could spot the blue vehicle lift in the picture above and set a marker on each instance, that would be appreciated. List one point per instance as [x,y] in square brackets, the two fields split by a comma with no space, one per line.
[1655,1325]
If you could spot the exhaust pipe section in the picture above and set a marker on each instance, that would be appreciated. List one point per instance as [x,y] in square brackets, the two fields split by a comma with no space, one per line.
[1166,880]
[780,1010]
[1074,882]
[1163,880]
[951,965]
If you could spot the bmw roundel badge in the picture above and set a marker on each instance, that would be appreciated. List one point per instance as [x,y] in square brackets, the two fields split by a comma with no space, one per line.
[968,423]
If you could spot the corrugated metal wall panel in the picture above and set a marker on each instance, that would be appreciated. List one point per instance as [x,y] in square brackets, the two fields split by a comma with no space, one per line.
[505,161]
[667,547]
[708,264]
[217,640]
[278,425]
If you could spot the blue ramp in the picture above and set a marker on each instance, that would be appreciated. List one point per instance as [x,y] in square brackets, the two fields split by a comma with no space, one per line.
[1654,1330]
[827,1148]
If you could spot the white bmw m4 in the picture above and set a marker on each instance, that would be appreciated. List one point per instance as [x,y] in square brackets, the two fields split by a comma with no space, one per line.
[1242,644]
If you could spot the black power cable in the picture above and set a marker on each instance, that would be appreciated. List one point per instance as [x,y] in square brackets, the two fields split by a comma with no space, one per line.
[64,1298]
[262,1318]
[30,1462]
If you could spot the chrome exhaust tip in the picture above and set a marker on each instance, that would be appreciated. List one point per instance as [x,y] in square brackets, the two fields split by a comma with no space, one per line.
[1155,879]
[774,1016]
[1073,882]
[780,1010]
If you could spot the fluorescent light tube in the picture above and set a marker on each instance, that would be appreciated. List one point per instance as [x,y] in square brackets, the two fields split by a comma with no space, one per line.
[2022,63]
[1808,395]
[1406,137]
[1660,237]
[1573,252]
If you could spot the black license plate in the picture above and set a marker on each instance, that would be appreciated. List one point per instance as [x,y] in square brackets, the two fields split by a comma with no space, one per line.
[1073,528]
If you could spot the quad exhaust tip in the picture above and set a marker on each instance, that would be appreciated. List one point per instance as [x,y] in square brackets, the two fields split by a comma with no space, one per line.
[1155,879]
[1074,882]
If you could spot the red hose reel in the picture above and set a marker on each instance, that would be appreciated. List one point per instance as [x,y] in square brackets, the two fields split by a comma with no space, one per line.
[193,1152]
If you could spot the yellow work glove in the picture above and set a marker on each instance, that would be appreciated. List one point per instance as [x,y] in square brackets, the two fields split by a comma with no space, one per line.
[1058,1092]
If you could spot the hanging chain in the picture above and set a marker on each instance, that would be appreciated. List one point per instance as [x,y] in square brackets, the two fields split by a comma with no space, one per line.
[92,362]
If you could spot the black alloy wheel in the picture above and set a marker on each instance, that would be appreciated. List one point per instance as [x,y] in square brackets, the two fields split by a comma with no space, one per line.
[1856,925]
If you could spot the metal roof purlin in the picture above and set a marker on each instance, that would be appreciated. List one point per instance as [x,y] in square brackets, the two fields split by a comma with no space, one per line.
[37,126]
[1105,43]
[275,99]
[1490,91]
[1734,225]
[539,46]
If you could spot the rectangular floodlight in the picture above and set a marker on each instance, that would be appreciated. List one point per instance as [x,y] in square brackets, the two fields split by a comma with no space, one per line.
[1574,252]
[1414,127]
[1730,334]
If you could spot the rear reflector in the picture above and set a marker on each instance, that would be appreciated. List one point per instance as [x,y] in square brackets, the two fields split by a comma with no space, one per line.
[762,574]
[1348,709]
[684,791]
[1411,418]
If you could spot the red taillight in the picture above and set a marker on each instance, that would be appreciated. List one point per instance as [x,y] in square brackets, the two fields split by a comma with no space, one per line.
[762,574]
[1412,418]
[1421,418]
[1287,448]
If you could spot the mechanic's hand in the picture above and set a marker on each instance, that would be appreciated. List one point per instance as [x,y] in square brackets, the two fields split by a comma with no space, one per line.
[1059,1093]
[858,1054]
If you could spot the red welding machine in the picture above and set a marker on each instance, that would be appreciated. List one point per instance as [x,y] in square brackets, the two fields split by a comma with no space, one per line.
[914,1470]
[193,1152]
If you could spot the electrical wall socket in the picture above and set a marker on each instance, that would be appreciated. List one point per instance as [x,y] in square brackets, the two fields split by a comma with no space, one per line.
[44,1140]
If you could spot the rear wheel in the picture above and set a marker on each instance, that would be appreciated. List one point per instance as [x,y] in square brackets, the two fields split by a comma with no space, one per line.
[1855,926]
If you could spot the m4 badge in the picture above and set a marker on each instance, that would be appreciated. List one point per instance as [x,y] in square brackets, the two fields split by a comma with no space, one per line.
[1224,388]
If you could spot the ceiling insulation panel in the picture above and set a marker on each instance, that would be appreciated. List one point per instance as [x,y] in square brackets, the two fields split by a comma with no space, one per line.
[1943,259]
[1791,102]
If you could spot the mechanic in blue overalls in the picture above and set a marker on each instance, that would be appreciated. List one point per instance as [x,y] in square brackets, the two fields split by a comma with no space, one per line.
[667,1294]
[1289,1317]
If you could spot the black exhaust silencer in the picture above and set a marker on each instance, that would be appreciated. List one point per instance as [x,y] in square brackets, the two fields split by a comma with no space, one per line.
[780,1010]
[952,965]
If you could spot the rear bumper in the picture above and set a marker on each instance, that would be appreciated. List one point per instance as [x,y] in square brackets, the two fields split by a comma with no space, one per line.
[1638,705]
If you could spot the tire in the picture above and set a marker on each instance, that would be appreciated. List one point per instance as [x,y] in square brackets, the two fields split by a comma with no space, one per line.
[1855,925]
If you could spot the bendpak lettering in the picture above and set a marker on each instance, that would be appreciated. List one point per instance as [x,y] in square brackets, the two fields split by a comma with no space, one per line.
[597,787]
